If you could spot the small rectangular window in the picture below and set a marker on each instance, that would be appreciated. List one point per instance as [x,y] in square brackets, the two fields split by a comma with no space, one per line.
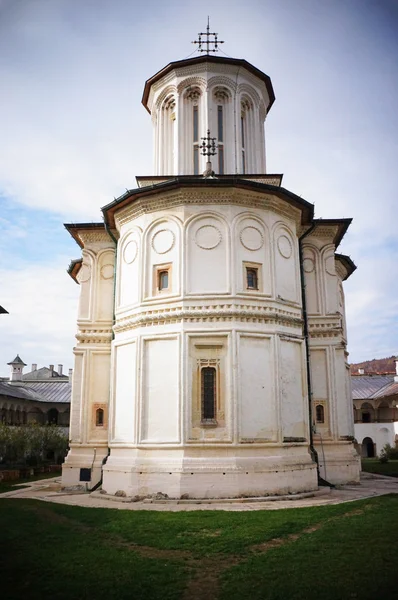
[161,279]
[251,278]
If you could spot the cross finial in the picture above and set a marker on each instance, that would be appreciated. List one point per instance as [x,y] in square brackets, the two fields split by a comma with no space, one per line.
[204,45]
[208,146]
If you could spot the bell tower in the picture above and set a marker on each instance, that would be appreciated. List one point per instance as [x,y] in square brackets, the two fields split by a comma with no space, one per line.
[227,97]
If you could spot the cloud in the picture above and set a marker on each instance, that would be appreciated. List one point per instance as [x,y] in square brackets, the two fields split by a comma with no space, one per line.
[74,135]
[41,325]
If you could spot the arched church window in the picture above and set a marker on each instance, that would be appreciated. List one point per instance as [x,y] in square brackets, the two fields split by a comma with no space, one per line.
[320,413]
[209,393]
[192,101]
[246,105]
[195,125]
[99,417]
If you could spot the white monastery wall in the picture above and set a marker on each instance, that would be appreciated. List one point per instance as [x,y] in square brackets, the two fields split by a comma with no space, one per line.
[91,375]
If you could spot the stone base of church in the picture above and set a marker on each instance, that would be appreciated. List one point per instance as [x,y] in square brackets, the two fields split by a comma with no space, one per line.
[339,462]
[83,457]
[217,475]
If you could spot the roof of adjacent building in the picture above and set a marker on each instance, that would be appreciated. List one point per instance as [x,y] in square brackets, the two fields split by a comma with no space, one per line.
[373,386]
[16,391]
[40,391]
[17,361]
[54,391]
[43,374]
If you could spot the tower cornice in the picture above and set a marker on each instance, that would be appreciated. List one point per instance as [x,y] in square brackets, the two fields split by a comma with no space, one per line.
[238,62]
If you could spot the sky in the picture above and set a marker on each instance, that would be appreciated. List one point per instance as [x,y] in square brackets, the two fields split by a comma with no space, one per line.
[74,135]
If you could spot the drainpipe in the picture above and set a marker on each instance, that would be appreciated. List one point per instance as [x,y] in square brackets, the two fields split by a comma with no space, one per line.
[313,452]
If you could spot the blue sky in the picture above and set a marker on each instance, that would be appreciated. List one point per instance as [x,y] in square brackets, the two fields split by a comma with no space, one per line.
[74,135]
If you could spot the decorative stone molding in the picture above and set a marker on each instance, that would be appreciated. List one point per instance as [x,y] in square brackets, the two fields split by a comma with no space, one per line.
[325,328]
[308,265]
[249,92]
[222,94]
[213,313]
[199,196]
[221,81]
[189,83]
[94,336]
[208,237]
[107,271]
[251,238]
[84,273]
[284,246]
[330,266]
[163,241]
[130,252]
[169,103]
[92,237]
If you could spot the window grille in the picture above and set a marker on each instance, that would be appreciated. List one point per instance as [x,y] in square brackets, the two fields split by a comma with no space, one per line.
[209,393]
[320,413]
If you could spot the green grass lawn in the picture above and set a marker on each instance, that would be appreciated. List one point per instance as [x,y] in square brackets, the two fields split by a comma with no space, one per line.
[373,465]
[64,552]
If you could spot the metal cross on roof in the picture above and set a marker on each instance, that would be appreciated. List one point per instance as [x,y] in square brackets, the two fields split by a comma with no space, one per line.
[208,146]
[204,45]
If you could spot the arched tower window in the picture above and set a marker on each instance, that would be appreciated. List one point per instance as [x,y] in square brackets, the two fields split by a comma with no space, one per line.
[208,393]
[221,97]
[245,134]
[167,133]
[192,97]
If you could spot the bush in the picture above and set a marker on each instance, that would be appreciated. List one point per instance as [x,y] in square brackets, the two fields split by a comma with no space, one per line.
[388,453]
[31,444]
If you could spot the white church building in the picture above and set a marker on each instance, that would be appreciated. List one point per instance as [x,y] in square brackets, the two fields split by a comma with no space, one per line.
[211,355]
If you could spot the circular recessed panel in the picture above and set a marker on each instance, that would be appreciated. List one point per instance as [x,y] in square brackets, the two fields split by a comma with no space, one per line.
[130,252]
[208,237]
[308,265]
[107,271]
[284,246]
[163,241]
[330,266]
[84,273]
[251,238]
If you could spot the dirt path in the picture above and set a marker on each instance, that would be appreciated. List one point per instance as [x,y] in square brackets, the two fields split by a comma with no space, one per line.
[204,573]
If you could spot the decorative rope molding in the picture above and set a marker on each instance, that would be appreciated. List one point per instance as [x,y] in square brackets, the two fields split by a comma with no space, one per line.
[214,313]
[171,200]
[94,336]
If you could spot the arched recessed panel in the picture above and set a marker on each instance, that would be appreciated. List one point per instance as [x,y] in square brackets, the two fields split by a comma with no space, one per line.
[207,268]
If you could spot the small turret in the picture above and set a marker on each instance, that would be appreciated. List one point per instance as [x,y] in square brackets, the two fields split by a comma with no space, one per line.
[17,366]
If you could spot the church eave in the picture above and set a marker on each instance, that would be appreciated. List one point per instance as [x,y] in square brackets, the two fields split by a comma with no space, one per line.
[240,62]
[75,228]
[341,226]
[347,263]
[306,208]
[74,268]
